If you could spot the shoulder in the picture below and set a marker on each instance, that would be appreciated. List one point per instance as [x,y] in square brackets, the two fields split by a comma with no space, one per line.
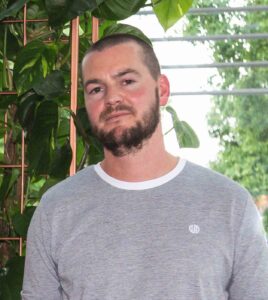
[203,177]
[71,190]
[216,188]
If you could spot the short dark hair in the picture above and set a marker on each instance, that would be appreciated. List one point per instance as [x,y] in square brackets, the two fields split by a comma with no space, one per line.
[149,57]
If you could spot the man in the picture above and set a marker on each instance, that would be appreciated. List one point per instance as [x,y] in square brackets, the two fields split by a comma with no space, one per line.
[142,224]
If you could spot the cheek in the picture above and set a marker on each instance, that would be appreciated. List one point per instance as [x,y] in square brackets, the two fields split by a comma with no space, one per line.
[143,98]
[92,112]
[139,94]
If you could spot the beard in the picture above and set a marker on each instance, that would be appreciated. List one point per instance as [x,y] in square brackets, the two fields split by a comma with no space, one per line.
[130,139]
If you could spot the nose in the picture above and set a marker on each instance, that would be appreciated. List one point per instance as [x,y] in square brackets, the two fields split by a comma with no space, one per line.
[113,96]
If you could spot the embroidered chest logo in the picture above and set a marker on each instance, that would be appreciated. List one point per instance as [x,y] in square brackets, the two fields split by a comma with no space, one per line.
[194,228]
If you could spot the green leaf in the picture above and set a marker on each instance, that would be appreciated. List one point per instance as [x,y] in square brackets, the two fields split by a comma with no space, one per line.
[265,220]
[39,146]
[11,43]
[26,109]
[95,148]
[63,131]
[52,86]
[61,161]
[13,9]
[9,179]
[12,282]
[186,136]
[169,12]
[7,100]
[46,119]
[33,63]
[96,153]
[21,222]
[92,148]
[104,25]
[118,9]
[124,28]
[61,11]
[189,138]
[5,293]
[2,76]
[83,120]
[48,184]
[39,156]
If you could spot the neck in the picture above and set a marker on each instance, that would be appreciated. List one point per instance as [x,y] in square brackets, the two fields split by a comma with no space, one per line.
[149,162]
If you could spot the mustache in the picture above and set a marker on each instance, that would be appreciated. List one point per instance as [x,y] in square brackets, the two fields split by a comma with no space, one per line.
[111,109]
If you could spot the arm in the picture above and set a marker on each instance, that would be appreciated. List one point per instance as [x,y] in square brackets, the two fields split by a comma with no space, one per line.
[250,269]
[40,274]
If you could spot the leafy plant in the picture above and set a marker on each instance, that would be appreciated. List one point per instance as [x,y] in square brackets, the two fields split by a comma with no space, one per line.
[39,73]
[265,220]
[186,137]
[169,11]
[240,123]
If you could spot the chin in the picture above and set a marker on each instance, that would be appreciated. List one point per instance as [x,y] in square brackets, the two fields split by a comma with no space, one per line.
[116,128]
[118,131]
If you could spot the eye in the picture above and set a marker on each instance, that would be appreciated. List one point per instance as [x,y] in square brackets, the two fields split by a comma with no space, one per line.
[95,90]
[128,81]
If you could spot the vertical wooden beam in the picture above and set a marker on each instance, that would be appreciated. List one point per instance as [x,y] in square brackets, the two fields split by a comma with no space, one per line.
[74,87]
[22,183]
[95,29]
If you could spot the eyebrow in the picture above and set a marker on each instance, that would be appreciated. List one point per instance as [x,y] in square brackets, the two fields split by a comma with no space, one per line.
[117,75]
[126,71]
[89,81]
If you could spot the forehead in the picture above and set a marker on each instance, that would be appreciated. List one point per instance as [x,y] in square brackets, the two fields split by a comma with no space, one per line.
[124,55]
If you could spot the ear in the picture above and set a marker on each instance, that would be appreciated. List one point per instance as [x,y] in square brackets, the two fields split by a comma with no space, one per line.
[164,90]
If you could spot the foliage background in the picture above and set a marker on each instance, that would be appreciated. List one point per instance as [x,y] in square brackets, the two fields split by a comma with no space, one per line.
[239,122]
[39,73]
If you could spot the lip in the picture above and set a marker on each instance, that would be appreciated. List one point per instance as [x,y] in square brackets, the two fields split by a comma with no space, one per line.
[115,116]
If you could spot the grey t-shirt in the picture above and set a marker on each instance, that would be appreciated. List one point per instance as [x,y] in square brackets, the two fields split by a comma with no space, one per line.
[192,234]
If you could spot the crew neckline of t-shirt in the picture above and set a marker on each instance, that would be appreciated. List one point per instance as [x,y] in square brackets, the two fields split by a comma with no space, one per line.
[140,185]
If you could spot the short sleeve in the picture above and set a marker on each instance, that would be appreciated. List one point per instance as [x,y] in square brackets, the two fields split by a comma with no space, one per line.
[40,274]
[250,268]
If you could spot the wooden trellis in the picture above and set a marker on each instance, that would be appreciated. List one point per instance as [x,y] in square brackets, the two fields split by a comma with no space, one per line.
[74,26]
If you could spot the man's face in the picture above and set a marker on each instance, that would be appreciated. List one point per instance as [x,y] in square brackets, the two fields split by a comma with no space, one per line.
[121,97]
